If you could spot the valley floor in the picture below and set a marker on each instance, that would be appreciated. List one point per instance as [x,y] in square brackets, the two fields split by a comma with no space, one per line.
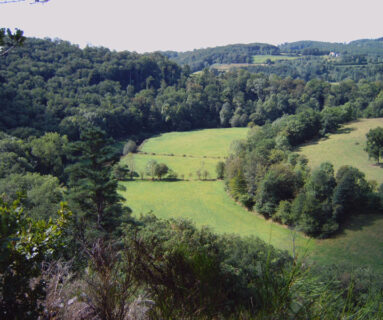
[206,203]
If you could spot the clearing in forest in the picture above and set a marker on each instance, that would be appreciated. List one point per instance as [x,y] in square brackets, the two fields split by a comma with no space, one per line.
[346,148]
[203,143]
[261,59]
[206,203]
[186,167]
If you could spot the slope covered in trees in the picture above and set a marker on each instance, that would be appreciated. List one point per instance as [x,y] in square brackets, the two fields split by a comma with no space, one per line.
[362,46]
[52,86]
[359,59]
[264,173]
[60,108]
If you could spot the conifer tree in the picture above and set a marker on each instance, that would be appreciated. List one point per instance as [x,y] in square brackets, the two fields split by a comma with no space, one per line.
[93,191]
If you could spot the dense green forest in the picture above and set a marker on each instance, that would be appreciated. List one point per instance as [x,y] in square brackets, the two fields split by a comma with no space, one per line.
[63,109]
[54,86]
[362,46]
[346,66]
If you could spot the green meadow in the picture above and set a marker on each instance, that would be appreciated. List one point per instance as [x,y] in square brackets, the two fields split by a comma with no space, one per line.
[183,166]
[260,59]
[346,148]
[208,142]
[206,203]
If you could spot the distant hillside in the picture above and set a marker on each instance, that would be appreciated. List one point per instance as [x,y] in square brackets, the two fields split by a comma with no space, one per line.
[362,46]
[334,62]
[236,53]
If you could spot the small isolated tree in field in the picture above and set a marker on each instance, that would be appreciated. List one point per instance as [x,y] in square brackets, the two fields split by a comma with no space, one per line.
[205,174]
[131,165]
[121,172]
[160,170]
[198,173]
[129,147]
[151,168]
[374,145]
[220,169]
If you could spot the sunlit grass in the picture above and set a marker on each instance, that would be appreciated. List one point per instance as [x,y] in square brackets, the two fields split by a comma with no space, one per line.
[208,142]
[183,166]
[359,244]
[346,148]
[260,59]
[207,203]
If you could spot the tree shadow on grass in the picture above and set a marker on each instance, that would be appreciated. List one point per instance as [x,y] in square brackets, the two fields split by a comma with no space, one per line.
[358,222]
[320,139]
[344,130]
[380,165]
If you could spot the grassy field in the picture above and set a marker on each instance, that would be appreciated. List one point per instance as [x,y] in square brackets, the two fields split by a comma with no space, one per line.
[181,165]
[207,203]
[230,66]
[261,59]
[359,244]
[346,148]
[208,142]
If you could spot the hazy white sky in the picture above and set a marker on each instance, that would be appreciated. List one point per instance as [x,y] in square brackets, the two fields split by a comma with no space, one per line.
[149,25]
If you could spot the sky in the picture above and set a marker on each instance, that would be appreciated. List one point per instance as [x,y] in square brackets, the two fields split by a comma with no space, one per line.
[180,25]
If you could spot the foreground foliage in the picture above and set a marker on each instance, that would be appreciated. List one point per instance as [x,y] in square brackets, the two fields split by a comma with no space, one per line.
[171,270]
[24,244]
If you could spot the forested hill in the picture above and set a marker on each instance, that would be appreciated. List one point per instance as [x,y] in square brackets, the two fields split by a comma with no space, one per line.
[53,86]
[235,53]
[360,59]
[362,46]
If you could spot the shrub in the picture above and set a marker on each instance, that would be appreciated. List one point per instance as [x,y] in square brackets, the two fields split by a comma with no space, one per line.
[129,147]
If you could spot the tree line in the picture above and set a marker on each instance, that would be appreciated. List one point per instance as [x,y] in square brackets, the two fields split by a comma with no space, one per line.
[266,174]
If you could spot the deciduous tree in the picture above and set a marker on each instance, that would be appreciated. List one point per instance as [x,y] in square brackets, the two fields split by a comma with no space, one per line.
[374,145]
[24,244]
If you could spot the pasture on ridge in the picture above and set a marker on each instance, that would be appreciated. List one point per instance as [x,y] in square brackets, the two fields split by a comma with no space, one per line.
[261,59]
[346,148]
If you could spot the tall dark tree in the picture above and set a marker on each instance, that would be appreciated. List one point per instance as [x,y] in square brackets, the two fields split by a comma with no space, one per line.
[93,191]
[351,193]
